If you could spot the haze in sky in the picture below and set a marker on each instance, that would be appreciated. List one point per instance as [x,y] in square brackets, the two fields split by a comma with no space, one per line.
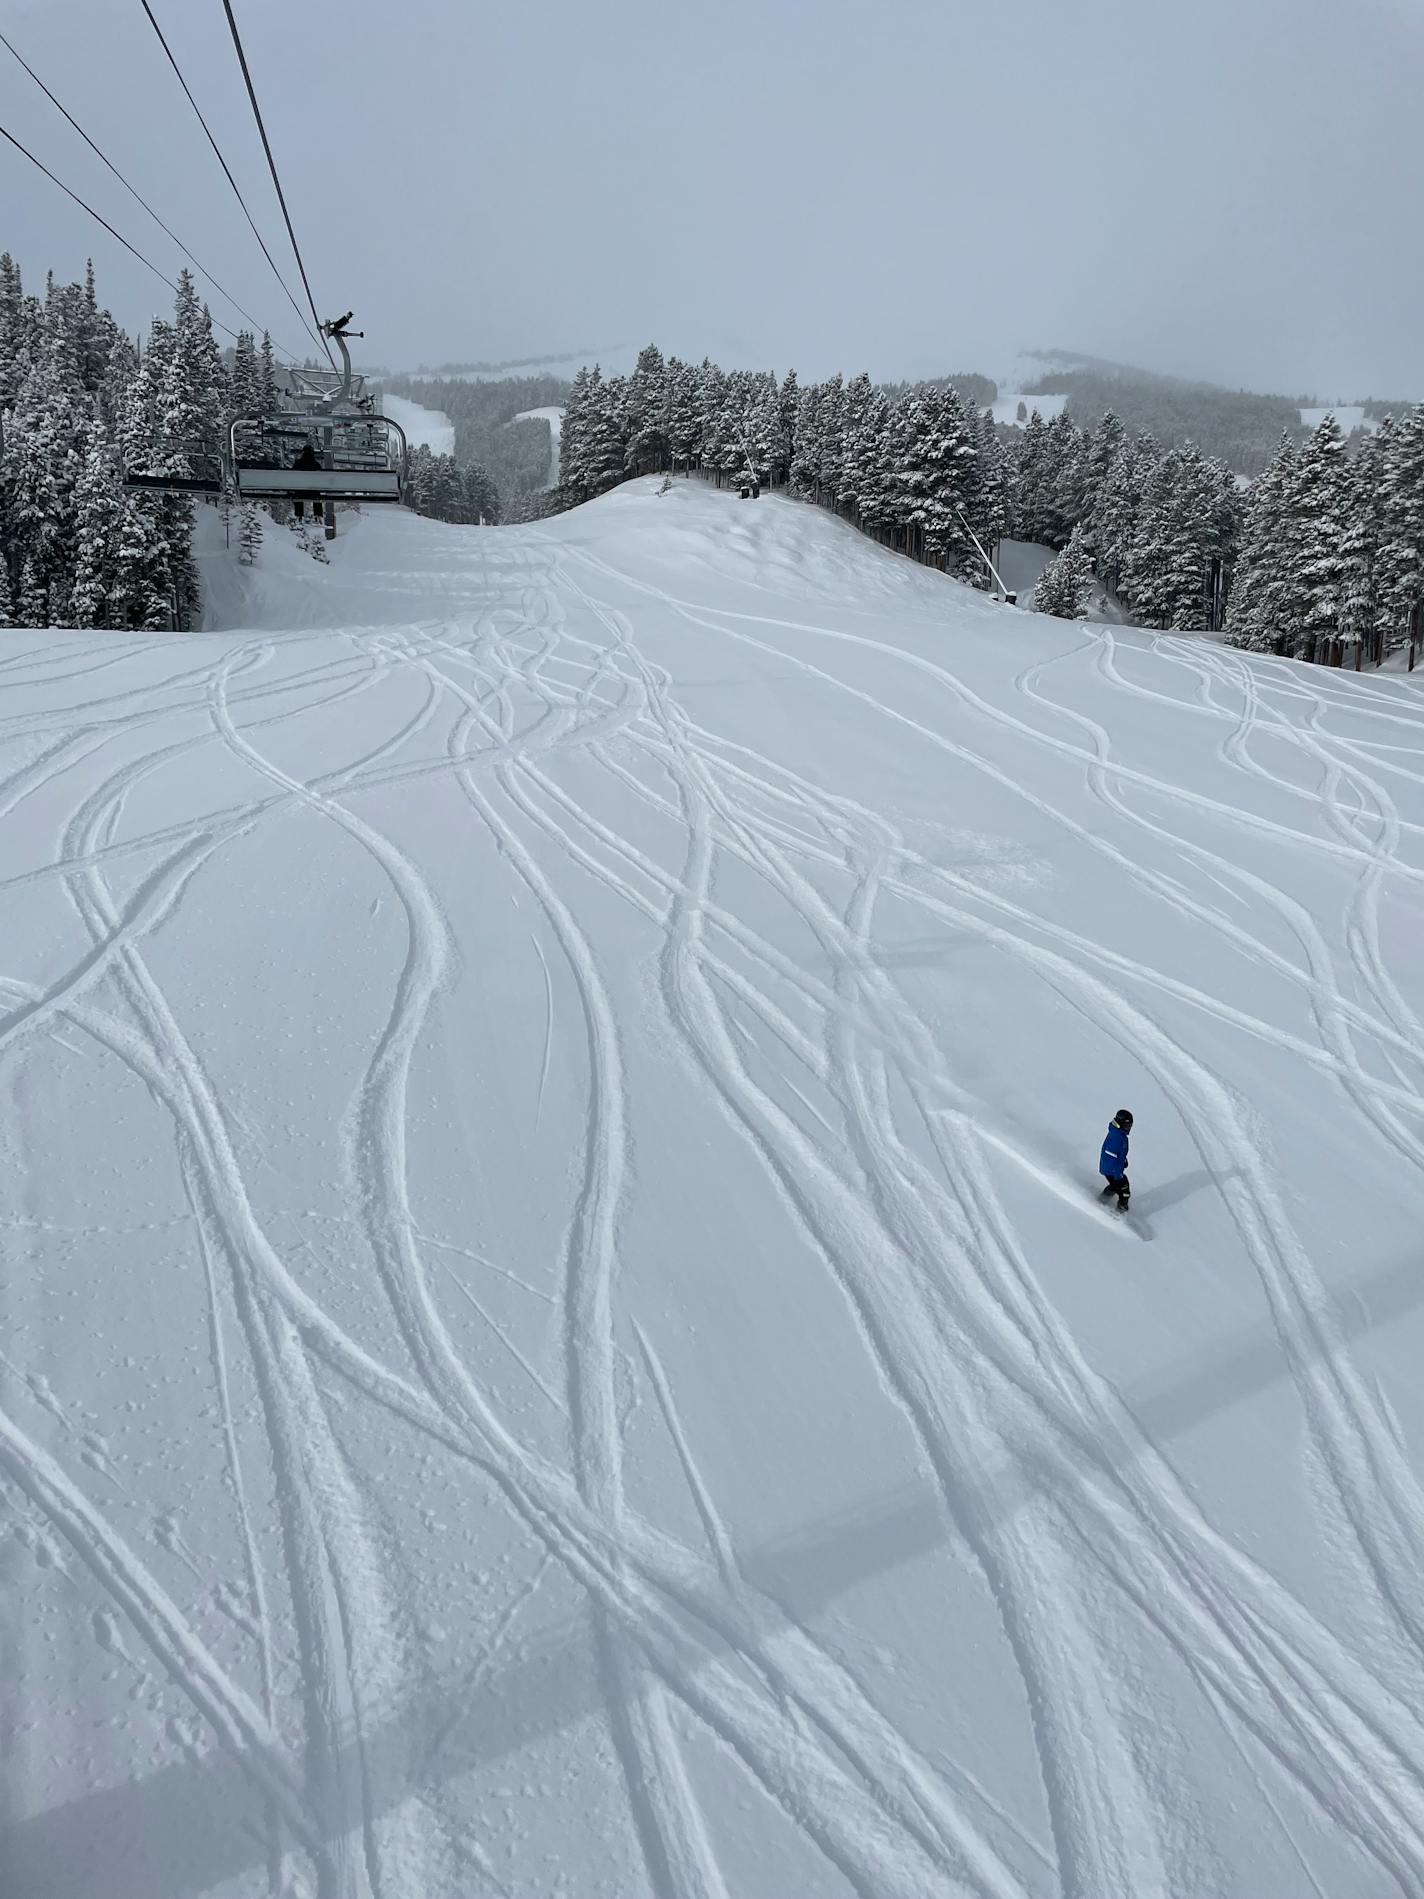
[1223,188]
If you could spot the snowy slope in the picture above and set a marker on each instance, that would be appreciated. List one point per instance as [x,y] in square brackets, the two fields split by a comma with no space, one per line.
[1350,416]
[424,428]
[557,1336]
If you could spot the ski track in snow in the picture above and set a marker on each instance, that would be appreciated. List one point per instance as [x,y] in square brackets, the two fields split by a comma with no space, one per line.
[705,903]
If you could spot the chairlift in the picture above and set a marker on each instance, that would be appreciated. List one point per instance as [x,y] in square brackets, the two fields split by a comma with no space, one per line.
[325,442]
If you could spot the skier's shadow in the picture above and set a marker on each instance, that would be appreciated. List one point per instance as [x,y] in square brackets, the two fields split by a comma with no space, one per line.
[1169,1192]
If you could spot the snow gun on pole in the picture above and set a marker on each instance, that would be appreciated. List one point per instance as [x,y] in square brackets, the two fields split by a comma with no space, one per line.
[1004,594]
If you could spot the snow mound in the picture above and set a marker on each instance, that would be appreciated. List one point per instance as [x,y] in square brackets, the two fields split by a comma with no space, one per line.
[558,1329]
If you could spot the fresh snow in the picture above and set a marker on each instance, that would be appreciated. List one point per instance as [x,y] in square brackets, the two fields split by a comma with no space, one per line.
[554,416]
[1006,406]
[558,1334]
[1350,416]
[424,428]
[1021,565]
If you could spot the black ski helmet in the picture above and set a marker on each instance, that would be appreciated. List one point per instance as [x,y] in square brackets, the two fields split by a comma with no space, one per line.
[1123,1119]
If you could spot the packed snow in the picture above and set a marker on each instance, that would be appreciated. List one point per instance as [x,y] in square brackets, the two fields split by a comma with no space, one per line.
[558,1330]
[424,428]
[553,414]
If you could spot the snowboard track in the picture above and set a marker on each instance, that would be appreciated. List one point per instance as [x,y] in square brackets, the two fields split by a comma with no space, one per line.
[830,1074]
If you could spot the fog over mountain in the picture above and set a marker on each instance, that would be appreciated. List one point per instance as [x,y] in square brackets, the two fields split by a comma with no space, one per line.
[1221,188]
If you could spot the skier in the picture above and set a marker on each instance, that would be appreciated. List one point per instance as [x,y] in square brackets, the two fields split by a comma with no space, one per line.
[1113,1162]
[307,460]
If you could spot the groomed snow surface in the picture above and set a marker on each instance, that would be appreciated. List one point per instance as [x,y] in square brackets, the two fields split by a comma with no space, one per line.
[558,1335]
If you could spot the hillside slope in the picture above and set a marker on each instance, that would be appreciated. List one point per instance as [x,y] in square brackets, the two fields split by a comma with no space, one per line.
[557,1330]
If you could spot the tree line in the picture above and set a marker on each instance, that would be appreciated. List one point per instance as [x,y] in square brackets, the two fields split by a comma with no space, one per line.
[1322,558]
[80,402]
[1331,558]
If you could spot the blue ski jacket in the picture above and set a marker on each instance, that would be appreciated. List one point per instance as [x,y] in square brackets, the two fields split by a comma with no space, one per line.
[1113,1161]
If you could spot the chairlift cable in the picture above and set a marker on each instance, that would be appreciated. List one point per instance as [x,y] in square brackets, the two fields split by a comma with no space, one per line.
[227,171]
[100,219]
[272,167]
[135,193]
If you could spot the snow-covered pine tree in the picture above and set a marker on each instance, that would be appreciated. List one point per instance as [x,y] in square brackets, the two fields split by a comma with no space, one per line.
[607,433]
[1401,558]
[806,441]
[1316,575]
[1102,448]
[482,502]
[267,385]
[1065,586]
[646,448]
[1252,614]
[832,444]
[857,420]
[573,437]
[249,533]
[1114,526]
[245,387]
[789,406]
[900,480]
[874,497]
[42,436]
[938,475]
[769,451]
[420,477]
[447,489]
[684,416]
[991,519]
[14,331]
[711,421]
[7,603]
[1032,481]
[33,606]
[98,509]
[1169,574]
[1360,618]
[141,594]
[1066,483]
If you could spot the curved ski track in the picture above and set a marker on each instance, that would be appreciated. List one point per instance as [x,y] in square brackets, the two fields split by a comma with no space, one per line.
[543,723]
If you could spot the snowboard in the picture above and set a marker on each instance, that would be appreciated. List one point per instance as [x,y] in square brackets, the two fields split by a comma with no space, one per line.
[1120,1216]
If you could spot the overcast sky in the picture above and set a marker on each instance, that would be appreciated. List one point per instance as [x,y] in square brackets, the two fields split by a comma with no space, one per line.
[1224,188]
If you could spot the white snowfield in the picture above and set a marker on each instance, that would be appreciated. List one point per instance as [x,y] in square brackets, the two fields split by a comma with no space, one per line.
[1350,416]
[558,1333]
[424,428]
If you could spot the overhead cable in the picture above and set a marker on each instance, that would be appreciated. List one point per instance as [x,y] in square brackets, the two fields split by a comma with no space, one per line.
[272,167]
[135,193]
[100,219]
[227,172]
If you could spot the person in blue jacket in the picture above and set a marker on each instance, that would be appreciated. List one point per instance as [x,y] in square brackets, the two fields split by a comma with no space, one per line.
[1112,1164]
